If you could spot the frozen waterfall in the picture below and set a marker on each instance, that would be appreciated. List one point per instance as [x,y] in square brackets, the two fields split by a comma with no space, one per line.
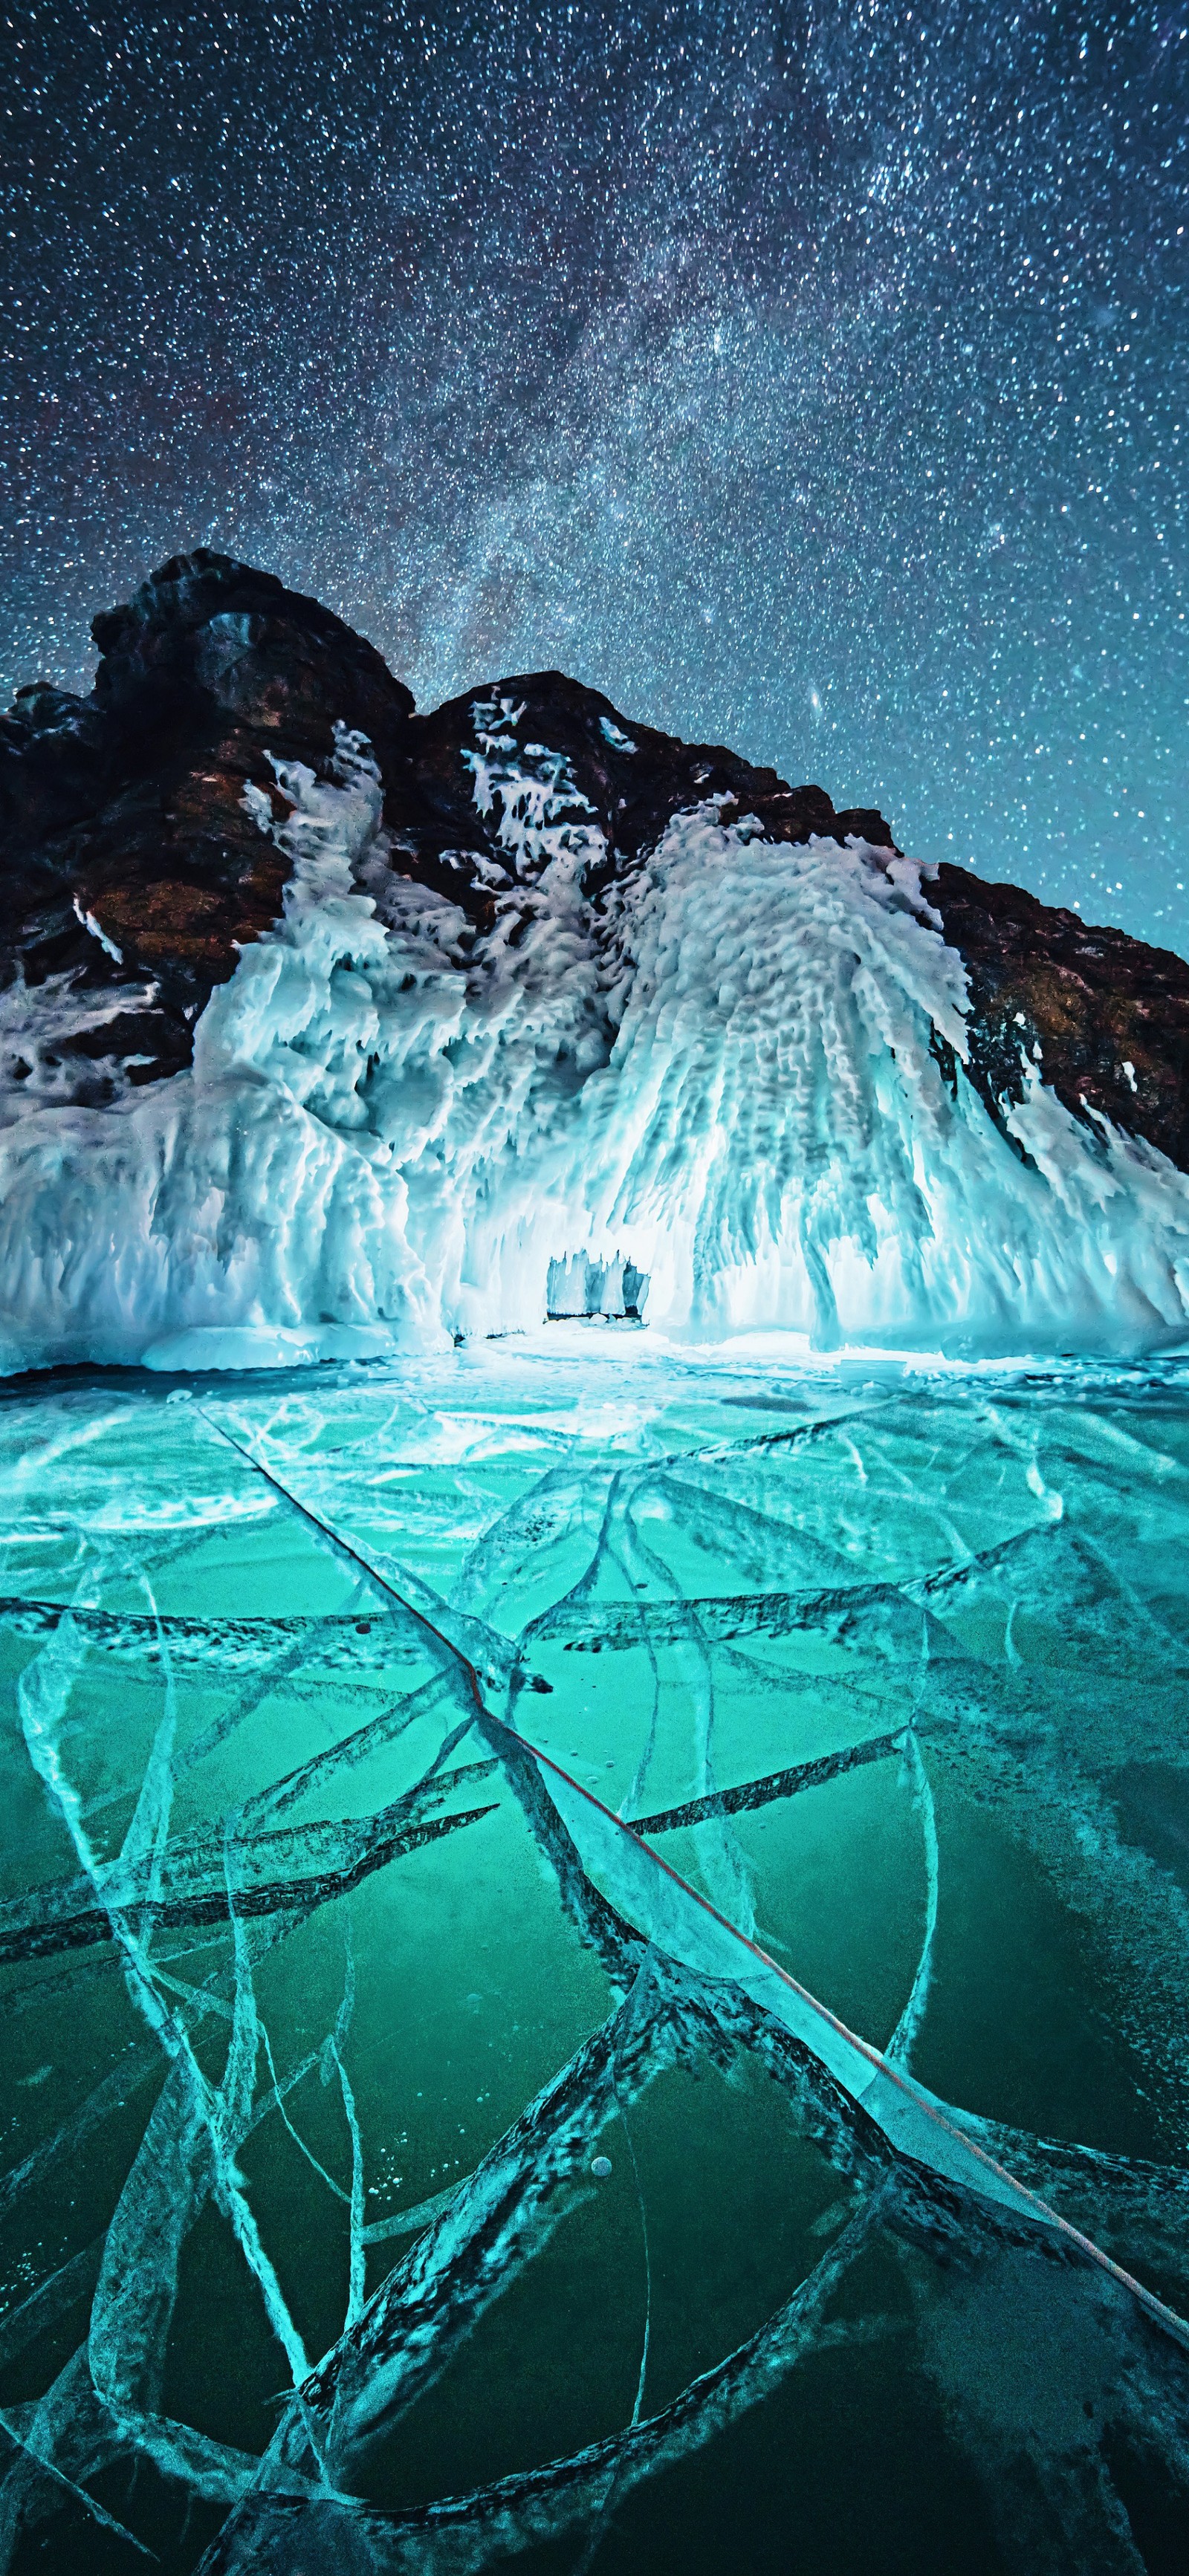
[735,1078]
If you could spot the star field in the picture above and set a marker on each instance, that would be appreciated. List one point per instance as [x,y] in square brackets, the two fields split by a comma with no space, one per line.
[810,381]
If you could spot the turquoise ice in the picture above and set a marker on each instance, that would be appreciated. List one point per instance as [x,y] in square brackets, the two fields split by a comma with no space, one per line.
[583,1929]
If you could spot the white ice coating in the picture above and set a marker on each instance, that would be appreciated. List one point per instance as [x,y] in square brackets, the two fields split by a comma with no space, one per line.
[724,1078]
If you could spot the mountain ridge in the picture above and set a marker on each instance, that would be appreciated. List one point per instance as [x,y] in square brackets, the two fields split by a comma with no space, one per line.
[127,810]
[328,1027]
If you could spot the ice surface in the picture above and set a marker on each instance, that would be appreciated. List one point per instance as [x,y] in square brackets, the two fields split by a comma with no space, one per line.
[423,1781]
[731,1081]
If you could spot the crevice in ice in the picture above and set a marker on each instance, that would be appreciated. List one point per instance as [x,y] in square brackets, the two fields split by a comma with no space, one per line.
[749,1794]
[387,1728]
[48,2467]
[496,2218]
[465,2533]
[290,1870]
[53,2299]
[340,1642]
[900,2046]
[684,1925]
[913,2122]
[189,2150]
[403,1602]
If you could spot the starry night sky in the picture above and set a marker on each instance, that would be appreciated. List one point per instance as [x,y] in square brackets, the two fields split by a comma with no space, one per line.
[811,380]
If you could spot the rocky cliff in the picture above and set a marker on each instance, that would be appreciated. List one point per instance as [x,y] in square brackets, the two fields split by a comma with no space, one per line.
[127,844]
[152,835]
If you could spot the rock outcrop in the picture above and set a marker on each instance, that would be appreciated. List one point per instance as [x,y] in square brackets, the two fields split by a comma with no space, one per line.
[1105,1017]
[127,845]
[129,850]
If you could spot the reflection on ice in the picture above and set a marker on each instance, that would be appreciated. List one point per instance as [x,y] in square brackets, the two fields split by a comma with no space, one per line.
[424,1782]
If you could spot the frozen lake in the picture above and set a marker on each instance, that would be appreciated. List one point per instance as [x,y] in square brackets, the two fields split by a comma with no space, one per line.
[407,2166]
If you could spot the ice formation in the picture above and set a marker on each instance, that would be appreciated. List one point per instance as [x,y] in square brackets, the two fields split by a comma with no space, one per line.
[734,1076]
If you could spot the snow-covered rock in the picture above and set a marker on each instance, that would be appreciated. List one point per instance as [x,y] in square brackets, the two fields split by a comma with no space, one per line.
[329,1028]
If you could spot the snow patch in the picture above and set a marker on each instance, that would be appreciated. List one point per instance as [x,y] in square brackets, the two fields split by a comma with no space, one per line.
[89,923]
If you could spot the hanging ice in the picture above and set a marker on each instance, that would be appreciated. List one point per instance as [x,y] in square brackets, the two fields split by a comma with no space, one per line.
[734,1072]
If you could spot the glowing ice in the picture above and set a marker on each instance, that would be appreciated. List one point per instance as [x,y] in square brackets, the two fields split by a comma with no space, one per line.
[725,1076]
[734,1683]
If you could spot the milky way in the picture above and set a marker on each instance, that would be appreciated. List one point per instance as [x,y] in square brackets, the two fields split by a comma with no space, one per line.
[814,383]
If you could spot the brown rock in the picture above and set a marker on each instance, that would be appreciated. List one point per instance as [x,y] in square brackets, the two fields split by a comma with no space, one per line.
[1109,1015]
[126,811]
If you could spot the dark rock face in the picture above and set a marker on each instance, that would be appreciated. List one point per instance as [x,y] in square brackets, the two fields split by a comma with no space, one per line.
[1109,1015]
[632,778]
[127,848]
[132,872]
